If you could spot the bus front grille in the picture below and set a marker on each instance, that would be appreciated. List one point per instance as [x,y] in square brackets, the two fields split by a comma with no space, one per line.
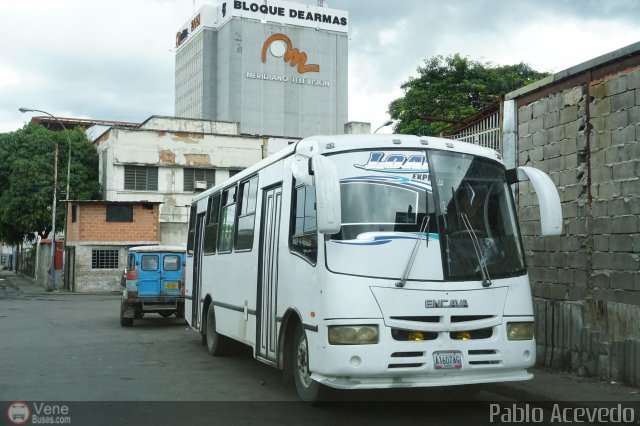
[406,359]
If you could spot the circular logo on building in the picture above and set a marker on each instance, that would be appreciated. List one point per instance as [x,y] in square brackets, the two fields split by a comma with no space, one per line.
[18,413]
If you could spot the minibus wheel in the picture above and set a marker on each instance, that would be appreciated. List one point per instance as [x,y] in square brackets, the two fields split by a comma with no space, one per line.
[125,322]
[308,389]
[216,343]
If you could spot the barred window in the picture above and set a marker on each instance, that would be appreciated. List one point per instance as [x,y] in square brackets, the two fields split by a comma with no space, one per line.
[141,178]
[104,259]
[191,176]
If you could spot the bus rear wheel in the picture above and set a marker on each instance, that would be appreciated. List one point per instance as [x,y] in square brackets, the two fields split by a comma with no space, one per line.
[308,389]
[216,344]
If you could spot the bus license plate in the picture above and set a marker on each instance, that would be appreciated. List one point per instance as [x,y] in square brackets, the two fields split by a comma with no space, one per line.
[172,286]
[447,360]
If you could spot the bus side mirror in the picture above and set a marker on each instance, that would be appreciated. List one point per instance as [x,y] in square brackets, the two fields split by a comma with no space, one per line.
[548,198]
[328,204]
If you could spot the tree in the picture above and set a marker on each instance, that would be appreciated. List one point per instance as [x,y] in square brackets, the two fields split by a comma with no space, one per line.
[453,88]
[26,179]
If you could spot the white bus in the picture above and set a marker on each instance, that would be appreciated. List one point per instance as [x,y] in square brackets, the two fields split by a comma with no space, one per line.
[362,261]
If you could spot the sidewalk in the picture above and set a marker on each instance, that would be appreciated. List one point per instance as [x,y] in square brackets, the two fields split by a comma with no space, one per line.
[18,283]
[546,387]
[554,386]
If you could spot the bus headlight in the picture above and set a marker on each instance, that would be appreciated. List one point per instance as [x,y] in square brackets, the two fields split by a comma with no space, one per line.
[353,334]
[520,330]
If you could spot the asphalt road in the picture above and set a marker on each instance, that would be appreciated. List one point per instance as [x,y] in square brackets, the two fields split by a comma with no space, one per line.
[71,347]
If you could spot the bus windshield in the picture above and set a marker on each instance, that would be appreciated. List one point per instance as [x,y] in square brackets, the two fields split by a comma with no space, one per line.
[461,201]
[474,190]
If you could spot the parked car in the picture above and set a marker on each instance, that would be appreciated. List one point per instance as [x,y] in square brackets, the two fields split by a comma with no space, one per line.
[153,282]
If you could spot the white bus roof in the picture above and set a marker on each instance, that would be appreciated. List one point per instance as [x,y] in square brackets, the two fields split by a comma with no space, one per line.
[338,143]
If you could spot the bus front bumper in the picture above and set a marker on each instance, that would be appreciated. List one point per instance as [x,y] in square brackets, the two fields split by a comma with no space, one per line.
[421,381]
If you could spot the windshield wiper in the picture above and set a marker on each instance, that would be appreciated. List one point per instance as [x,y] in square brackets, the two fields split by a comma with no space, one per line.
[486,280]
[407,269]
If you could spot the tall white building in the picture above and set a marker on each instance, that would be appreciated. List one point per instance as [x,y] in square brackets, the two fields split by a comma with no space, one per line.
[276,67]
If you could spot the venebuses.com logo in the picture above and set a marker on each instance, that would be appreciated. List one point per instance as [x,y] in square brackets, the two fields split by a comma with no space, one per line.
[19,413]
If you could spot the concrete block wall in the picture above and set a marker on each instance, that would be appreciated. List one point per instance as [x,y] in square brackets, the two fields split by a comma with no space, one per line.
[586,282]
[88,279]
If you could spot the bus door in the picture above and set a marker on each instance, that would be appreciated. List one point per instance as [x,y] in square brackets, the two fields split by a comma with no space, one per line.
[197,272]
[268,285]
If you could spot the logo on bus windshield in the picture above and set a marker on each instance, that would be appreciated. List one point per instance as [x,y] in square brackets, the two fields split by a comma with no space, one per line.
[396,163]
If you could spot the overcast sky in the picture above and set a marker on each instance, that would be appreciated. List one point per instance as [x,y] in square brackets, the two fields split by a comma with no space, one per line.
[115,60]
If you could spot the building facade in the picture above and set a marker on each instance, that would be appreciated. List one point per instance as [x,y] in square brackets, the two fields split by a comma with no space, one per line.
[98,236]
[275,67]
[167,160]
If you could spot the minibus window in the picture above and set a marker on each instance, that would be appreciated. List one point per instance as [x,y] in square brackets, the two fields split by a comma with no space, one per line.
[171,263]
[149,262]
[303,235]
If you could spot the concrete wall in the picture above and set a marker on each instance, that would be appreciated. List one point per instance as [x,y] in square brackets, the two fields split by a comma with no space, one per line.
[583,129]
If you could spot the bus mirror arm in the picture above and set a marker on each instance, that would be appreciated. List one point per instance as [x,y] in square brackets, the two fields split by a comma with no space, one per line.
[548,199]
[301,169]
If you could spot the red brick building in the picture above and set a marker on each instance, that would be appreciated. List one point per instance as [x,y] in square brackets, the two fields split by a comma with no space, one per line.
[98,235]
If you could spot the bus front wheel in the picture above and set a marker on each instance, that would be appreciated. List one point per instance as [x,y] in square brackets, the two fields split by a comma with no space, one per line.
[308,389]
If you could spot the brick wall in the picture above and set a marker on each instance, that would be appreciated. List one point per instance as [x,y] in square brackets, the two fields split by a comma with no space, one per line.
[586,282]
[91,224]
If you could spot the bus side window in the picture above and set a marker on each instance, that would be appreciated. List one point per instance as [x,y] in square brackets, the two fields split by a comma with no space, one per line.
[211,229]
[192,229]
[303,234]
[227,219]
[246,214]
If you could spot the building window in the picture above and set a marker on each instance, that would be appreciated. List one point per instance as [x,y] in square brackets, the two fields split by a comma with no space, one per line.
[233,172]
[120,213]
[191,176]
[74,212]
[141,178]
[303,234]
[246,215]
[104,259]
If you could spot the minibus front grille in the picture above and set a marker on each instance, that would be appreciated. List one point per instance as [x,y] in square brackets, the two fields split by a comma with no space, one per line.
[430,319]
[411,365]
[484,357]
[469,318]
[406,359]
[413,336]
[482,352]
[406,354]
[479,334]
[490,362]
